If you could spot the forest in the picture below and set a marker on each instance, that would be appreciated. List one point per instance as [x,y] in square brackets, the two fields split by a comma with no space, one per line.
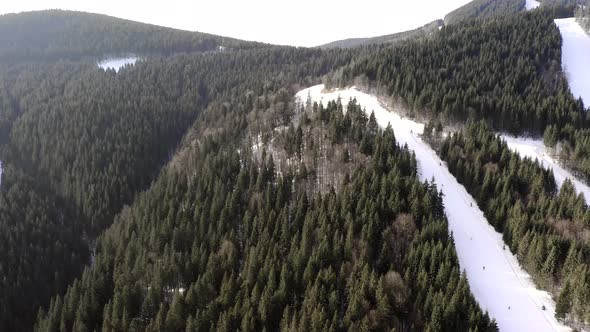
[484,9]
[505,70]
[583,15]
[224,241]
[546,227]
[53,35]
[190,192]
[92,140]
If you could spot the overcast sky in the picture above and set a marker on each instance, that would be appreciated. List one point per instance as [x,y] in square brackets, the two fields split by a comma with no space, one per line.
[299,23]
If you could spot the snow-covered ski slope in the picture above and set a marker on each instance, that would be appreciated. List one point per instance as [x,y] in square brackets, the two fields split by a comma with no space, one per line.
[575,57]
[502,288]
[535,149]
[575,54]
[531,4]
[117,63]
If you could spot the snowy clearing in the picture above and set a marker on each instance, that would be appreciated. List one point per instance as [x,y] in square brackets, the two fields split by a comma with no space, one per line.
[575,57]
[503,284]
[531,4]
[535,149]
[117,63]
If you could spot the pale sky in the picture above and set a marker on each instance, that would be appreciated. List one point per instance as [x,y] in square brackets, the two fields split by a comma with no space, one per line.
[299,23]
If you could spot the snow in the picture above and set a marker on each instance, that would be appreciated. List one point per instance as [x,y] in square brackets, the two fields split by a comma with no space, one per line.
[531,4]
[535,149]
[575,57]
[117,63]
[503,283]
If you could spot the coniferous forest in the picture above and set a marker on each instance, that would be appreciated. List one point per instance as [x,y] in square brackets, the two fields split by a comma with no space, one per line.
[191,192]
[547,228]
[476,70]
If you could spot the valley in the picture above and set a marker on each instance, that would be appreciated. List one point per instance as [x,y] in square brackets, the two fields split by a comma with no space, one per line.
[158,179]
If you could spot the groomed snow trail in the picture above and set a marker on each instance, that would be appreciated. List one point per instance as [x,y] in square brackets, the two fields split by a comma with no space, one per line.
[531,4]
[535,149]
[575,57]
[502,288]
[117,63]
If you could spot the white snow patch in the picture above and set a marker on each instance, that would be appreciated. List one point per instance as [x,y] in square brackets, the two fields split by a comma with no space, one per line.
[503,283]
[535,149]
[531,4]
[575,57]
[258,143]
[117,63]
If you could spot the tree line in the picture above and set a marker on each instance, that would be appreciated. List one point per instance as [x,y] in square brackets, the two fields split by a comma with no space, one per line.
[225,241]
[93,139]
[548,228]
[506,70]
[53,35]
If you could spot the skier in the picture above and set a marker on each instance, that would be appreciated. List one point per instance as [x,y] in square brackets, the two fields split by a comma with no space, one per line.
[484,267]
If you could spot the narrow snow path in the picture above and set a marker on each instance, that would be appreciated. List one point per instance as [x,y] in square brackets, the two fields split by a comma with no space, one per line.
[535,149]
[531,4]
[575,57]
[117,63]
[502,288]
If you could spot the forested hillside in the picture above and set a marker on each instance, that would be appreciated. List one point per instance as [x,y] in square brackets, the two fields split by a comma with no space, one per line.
[89,140]
[190,192]
[421,32]
[583,15]
[227,241]
[56,34]
[505,70]
[484,9]
[547,228]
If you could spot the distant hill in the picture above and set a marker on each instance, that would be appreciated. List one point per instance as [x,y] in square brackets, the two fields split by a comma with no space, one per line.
[484,9]
[392,38]
[58,34]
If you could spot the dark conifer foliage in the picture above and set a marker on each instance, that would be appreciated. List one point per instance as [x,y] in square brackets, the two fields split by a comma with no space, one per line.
[224,242]
[547,228]
[583,15]
[56,34]
[92,139]
[506,70]
[485,9]
[42,247]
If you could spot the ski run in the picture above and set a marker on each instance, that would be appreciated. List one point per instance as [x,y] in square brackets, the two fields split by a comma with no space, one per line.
[503,288]
[575,53]
[535,149]
[531,4]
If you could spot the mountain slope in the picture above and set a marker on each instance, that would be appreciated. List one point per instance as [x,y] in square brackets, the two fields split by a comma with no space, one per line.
[423,31]
[92,139]
[57,34]
[484,9]
[479,247]
[225,240]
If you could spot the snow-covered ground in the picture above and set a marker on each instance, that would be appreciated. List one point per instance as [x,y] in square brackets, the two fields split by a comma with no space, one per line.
[502,288]
[117,63]
[575,57]
[531,4]
[535,149]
